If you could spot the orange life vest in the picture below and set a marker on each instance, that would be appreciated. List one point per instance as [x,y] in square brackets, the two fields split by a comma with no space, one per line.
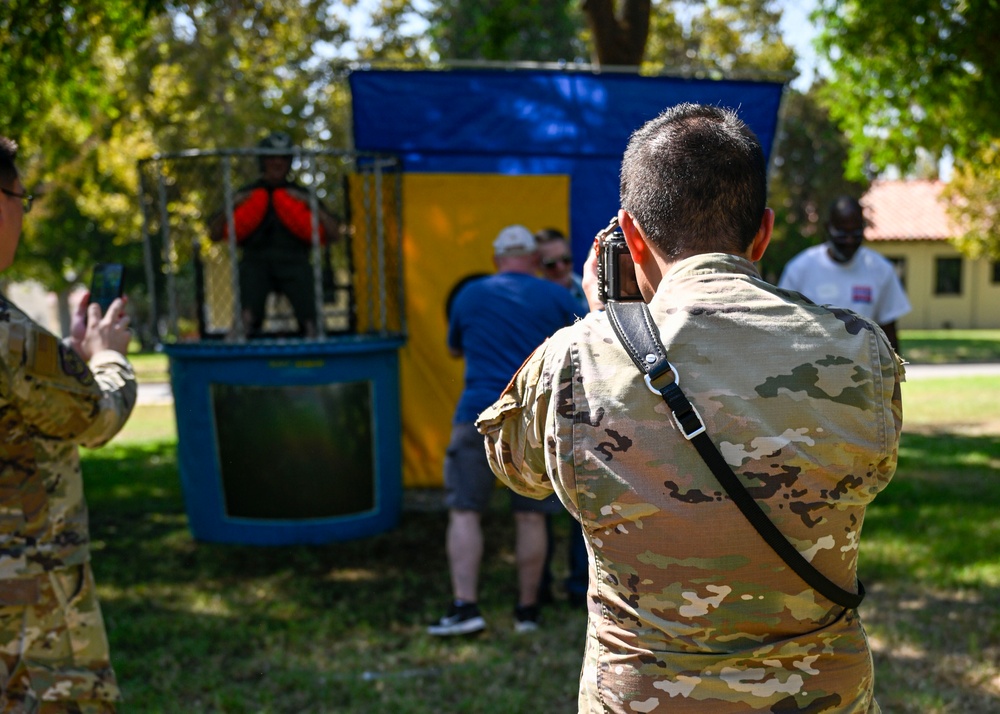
[295,215]
[248,215]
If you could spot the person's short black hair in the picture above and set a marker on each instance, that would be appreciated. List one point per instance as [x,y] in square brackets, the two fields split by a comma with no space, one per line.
[8,158]
[845,205]
[548,234]
[695,179]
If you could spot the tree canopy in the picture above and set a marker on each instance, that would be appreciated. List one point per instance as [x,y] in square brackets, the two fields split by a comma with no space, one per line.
[96,85]
[807,174]
[48,50]
[506,30]
[911,75]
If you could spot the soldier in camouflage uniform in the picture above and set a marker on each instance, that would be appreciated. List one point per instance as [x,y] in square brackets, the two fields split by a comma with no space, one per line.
[53,647]
[690,609]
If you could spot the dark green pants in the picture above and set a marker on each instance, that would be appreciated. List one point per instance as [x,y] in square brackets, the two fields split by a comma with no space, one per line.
[291,275]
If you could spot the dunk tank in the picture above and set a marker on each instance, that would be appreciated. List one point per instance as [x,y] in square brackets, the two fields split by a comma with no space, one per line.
[289,440]
[281,439]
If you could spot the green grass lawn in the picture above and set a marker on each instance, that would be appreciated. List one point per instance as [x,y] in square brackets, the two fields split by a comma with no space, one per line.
[150,366]
[949,346]
[200,627]
[951,400]
[917,346]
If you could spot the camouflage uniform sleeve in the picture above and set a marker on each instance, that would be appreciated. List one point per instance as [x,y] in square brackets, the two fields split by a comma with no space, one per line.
[119,390]
[514,429]
[61,397]
[893,372]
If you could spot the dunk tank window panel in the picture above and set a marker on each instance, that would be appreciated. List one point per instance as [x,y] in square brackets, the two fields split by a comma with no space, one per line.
[295,452]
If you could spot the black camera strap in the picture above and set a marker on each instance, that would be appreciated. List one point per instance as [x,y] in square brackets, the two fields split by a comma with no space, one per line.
[634,325]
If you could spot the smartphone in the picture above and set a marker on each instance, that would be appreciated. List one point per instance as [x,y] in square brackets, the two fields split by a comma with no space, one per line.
[107,284]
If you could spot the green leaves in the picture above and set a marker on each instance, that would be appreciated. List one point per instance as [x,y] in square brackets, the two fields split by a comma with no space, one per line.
[915,75]
[506,30]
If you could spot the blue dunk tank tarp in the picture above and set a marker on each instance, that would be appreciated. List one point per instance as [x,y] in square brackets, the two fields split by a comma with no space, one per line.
[482,149]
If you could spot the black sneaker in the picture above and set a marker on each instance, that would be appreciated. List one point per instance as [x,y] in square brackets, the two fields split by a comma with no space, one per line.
[461,619]
[525,618]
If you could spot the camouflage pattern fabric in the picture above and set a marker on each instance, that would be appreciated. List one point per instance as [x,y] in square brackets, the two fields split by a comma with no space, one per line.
[690,610]
[54,653]
[51,402]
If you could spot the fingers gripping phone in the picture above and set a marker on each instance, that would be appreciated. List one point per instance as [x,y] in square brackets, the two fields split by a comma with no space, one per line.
[107,284]
[615,269]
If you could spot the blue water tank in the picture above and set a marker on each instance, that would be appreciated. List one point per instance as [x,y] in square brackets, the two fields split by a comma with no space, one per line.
[288,442]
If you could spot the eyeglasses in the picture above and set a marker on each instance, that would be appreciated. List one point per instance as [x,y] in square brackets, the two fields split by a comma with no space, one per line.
[553,262]
[26,198]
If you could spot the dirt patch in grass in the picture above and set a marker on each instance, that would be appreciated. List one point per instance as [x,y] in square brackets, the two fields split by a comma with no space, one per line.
[979,428]
[935,651]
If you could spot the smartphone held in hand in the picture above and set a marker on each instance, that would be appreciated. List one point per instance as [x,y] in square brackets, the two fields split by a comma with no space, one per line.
[107,284]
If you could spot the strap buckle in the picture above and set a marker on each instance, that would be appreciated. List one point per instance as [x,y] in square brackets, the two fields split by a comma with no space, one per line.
[700,429]
[647,378]
[691,413]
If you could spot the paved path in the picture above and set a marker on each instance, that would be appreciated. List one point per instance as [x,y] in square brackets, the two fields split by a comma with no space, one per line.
[159,392]
[923,371]
[155,393]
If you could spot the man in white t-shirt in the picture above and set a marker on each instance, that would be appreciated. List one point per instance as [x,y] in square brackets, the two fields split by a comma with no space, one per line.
[843,273]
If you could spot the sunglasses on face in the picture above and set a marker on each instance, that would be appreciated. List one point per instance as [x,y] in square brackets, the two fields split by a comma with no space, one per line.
[856,234]
[553,262]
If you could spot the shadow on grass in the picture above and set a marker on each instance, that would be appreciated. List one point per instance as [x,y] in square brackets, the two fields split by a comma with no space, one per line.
[340,627]
[936,522]
[943,349]
[141,531]
[929,560]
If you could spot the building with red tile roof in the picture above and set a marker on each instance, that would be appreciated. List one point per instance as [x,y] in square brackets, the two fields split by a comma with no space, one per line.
[908,223]
[907,210]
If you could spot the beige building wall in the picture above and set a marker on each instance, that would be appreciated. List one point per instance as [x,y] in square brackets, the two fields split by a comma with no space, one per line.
[976,307]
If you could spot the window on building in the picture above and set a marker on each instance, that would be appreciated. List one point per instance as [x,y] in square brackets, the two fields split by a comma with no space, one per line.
[996,271]
[899,264]
[947,276]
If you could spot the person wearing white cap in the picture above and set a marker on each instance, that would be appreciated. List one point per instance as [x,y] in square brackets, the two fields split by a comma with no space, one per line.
[495,322]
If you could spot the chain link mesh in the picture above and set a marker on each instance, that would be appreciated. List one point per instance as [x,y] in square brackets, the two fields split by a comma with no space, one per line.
[194,281]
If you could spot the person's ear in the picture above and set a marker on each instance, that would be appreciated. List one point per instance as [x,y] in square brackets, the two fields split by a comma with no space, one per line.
[635,238]
[763,236]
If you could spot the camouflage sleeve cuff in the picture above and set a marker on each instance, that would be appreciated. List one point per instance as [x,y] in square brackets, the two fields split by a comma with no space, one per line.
[119,391]
[513,428]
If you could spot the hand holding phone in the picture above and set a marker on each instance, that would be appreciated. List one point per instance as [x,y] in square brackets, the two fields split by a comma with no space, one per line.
[107,284]
[90,334]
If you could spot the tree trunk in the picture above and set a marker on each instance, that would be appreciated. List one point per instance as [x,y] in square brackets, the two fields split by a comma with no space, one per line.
[619,37]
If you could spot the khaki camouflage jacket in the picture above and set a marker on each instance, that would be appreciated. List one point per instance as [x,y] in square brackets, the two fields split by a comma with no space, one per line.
[690,610]
[50,402]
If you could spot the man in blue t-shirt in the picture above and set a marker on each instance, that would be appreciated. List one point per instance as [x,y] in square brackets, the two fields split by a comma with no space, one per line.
[495,322]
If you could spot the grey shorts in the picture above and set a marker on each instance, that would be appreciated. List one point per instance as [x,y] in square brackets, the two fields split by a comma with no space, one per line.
[468,481]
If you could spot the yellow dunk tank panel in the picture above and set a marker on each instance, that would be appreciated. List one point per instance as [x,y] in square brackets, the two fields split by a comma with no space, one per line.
[449,223]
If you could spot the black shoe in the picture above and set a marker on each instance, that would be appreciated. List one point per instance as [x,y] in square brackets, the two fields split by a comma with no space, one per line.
[461,619]
[525,618]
